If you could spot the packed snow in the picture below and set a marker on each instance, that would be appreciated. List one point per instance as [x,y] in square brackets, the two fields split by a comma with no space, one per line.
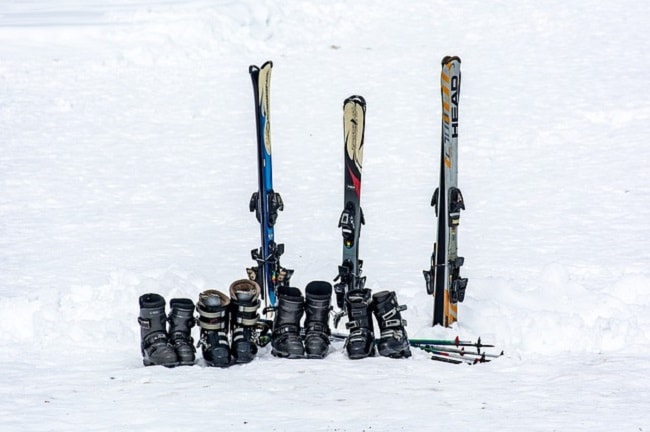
[128,159]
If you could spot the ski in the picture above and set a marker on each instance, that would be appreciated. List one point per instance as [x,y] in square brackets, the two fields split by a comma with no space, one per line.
[265,202]
[443,279]
[349,276]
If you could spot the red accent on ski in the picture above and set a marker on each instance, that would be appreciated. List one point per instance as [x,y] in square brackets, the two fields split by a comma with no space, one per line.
[356,182]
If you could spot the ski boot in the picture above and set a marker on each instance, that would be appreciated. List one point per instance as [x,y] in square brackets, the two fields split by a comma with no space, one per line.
[154,343]
[285,339]
[181,320]
[213,308]
[318,298]
[245,301]
[361,340]
[393,341]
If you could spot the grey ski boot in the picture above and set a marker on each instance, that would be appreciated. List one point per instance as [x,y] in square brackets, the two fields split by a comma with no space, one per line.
[318,299]
[213,311]
[245,301]
[393,341]
[154,343]
[285,339]
[181,320]
[361,340]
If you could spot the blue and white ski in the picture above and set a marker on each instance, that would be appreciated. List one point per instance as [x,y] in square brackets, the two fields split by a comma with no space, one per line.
[266,203]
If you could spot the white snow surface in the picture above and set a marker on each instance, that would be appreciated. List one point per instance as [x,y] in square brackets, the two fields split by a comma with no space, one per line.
[128,158]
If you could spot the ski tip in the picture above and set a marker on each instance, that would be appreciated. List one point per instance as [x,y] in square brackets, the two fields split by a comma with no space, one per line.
[355,99]
[253,69]
[449,59]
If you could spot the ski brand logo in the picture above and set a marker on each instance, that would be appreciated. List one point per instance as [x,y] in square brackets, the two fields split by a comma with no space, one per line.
[455,85]
[450,80]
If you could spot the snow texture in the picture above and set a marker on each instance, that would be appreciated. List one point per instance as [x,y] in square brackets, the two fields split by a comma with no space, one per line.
[128,158]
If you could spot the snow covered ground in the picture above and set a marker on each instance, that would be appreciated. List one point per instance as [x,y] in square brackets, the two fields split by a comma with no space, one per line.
[127,159]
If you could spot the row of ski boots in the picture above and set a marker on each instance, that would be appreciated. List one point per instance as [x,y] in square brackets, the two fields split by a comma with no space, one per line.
[219,315]
[229,325]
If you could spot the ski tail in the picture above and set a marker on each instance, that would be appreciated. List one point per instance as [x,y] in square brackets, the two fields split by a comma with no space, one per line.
[266,203]
[354,120]
[443,279]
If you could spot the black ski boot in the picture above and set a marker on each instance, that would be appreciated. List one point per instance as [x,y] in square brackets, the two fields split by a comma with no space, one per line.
[361,341]
[286,340]
[245,301]
[213,320]
[154,343]
[181,320]
[318,298]
[393,341]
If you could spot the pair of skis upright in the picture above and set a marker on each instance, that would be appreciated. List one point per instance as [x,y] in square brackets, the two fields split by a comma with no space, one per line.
[265,202]
[443,279]
[349,276]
